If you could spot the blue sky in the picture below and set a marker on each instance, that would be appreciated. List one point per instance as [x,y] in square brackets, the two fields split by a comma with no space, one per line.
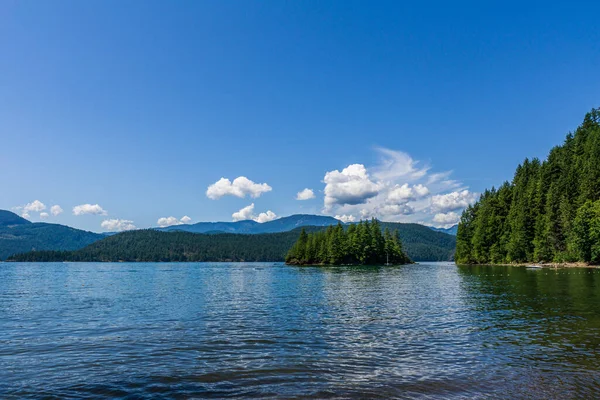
[400,110]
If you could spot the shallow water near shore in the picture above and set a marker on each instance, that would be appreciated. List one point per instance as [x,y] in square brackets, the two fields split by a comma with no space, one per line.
[185,330]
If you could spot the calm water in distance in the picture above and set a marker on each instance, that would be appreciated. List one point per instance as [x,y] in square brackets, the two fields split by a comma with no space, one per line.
[197,330]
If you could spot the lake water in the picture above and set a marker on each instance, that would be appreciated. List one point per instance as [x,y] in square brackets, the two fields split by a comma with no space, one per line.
[189,330]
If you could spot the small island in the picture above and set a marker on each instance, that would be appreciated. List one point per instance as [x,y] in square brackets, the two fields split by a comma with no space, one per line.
[359,244]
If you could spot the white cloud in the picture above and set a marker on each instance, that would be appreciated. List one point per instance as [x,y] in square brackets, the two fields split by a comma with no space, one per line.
[350,186]
[421,190]
[305,194]
[44,215]
[243,214]
[402,194]
[395,209]
[34,206]
[446,220]
[346,218]
[56,210]
[117,225]
[397,188]
[247,213]
[240,187]
[452,201]
[396,165]
[27,209]
[170,221]
[93,209]
[266,217]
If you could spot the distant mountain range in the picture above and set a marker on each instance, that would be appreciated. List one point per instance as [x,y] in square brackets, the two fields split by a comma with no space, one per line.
[450,231]
[18,235]
[419,242]
[283,224]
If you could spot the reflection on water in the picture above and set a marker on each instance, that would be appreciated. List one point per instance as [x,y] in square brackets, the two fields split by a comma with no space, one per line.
[263,329]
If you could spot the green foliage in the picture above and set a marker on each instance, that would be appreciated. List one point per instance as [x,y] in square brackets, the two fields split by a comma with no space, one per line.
[8,218]
[547,213]
[360,244]
[418,241]
[28,236]
[586,232]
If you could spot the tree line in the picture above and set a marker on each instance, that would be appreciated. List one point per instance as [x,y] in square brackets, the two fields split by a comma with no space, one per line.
[550,212]
[359,244]
[418,241]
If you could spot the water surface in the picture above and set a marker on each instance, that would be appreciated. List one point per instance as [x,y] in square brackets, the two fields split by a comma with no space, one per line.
[196,330]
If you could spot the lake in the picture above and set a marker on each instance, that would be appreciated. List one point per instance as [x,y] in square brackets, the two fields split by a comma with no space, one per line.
[432,330]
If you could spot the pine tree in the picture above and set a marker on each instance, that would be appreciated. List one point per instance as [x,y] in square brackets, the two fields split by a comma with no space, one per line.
[360,244]
[543,214]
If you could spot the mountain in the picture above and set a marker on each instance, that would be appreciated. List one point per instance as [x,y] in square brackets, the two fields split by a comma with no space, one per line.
[422,243]
[450,231]
[251,227]
[17,235]
[419,242]
[8,218]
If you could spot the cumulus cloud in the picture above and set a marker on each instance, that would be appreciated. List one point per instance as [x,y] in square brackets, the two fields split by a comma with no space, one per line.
[44,215]
[247,213]
[265,217]
[350,186]
[346,218]
[27,209]
[394,210]
[91,209]
[240,187]
[452,201]
[305,194]
[243,214]
[117,225]
[56,210]
[34,206]
[170,221]
[400,194]
[397,188]
[420,190]
[446,220]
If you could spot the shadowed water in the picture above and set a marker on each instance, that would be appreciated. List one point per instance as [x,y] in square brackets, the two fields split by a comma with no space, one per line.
[196,330]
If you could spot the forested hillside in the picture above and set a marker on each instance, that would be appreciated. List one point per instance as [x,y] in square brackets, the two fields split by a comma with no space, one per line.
[152,245]
[9,219]
[17,235]
[549,212]
[419,242]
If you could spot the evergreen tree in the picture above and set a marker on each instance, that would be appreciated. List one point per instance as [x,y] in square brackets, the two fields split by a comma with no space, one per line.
[360,244]
[548,211]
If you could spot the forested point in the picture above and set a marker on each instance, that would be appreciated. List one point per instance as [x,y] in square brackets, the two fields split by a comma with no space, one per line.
[550,212]
[360,244]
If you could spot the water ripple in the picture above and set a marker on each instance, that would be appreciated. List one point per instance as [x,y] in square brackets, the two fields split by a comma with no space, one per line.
[203,330]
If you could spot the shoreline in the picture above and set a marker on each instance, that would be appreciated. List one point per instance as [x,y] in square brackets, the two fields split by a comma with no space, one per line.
[543,265]
[350,265]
